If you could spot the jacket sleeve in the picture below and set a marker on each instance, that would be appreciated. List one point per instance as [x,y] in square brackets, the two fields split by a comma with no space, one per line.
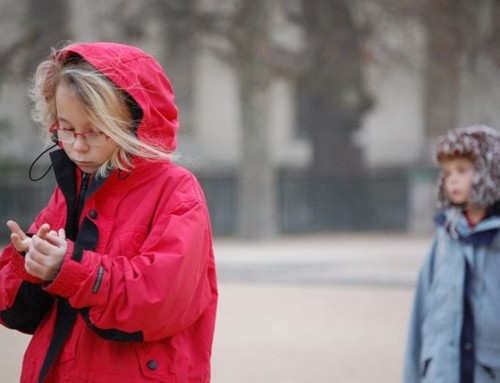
[412,368]
[154,294]
[23,302]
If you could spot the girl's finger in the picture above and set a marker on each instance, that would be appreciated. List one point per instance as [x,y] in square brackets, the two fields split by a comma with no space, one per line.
[18,243]
[55,239]
[62,234]
[43,230]
[16,229]
[43,246]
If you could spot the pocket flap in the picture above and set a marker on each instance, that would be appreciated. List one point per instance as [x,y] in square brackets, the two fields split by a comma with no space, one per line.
[488,356]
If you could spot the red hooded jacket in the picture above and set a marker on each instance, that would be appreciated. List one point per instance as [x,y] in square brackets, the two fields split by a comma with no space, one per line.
[138,283]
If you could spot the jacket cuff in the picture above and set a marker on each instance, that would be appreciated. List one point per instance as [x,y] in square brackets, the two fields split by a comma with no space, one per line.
[69,278]
[17,266]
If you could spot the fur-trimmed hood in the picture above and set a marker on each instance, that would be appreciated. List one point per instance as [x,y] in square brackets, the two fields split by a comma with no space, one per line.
[482,145]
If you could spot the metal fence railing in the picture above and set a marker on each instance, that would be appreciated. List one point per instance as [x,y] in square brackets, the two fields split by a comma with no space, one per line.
[305,203]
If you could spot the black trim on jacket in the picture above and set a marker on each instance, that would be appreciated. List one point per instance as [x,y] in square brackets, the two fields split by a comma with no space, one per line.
[29,308]
[87,236]
[112,334]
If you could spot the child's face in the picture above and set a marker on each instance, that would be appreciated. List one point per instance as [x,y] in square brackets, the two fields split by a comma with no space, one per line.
[71,117]
[458,177]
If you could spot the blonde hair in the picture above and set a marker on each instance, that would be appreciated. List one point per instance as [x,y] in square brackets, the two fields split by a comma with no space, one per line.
[105,105]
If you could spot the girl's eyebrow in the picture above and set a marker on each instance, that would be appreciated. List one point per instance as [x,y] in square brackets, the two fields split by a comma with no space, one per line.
[67,124]
[89,127]
[62,119]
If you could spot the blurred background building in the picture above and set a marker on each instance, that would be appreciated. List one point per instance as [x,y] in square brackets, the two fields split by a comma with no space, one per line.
[296,115]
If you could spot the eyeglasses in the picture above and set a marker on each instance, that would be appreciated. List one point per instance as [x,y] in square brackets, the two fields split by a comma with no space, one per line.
[69,136]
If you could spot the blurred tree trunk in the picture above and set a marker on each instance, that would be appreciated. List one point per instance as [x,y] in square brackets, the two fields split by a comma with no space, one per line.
[40,26]
[332,98]
[182,45]
[44,25]
[442,19]
[245,30]
[491,25]
[257,176]
[48,27]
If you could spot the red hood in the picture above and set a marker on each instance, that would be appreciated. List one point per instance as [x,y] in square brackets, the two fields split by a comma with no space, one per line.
[140,75]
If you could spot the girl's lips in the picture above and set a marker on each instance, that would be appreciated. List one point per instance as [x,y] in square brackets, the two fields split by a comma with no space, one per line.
[86,166]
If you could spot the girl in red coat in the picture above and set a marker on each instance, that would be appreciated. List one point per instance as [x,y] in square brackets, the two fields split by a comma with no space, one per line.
[116,277]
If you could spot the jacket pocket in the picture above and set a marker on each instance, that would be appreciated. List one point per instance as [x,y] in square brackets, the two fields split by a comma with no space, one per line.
[424,367]
[488,364]
[432,368]
[156,364]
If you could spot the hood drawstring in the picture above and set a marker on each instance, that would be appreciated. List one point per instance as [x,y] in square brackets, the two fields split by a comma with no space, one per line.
[30,172]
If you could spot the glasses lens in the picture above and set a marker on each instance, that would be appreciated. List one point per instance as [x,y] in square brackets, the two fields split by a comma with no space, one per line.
[69,137]
[95,138]
[66,136]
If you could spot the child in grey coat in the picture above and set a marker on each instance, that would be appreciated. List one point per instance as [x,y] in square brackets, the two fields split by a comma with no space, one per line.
[454,333]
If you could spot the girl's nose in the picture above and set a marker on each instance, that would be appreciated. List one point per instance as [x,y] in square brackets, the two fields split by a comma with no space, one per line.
[80,144]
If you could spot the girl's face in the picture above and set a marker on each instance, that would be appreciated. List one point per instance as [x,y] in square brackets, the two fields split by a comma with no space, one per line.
[458,177]
[88,153]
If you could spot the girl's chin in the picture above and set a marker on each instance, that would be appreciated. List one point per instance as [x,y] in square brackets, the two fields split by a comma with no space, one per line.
[86,168]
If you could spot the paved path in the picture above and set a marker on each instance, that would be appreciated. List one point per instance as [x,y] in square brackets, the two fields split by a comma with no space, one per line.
[315,309]
[312,309]
[310,334]
[369,259]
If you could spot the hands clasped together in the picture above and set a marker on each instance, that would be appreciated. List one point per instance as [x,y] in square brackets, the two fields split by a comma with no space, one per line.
[44,251]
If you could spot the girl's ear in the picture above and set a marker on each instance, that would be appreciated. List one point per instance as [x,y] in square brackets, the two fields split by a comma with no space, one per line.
[53,134]
[53,137]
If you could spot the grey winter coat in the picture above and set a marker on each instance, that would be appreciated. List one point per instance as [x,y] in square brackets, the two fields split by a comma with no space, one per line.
[433,349]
